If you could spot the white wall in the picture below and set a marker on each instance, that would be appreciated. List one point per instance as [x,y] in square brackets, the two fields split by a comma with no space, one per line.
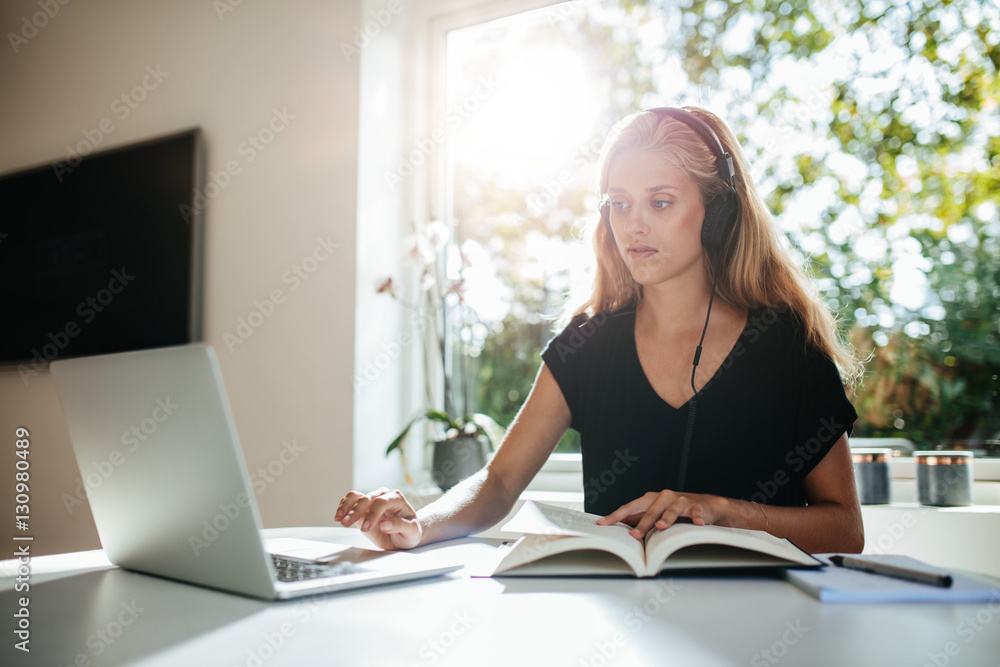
[290,380]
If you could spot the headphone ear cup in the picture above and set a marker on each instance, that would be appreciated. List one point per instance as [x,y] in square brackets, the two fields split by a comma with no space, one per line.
[720,218]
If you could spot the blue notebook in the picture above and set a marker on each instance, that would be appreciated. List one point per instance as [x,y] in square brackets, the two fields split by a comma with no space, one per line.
[840,584]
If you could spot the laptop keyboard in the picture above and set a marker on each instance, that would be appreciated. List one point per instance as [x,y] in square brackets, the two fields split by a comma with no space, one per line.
[288,569]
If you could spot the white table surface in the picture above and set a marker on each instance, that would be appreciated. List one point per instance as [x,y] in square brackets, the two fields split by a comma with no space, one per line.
[76,599]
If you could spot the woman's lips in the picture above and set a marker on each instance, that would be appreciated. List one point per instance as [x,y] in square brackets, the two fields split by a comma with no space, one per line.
[640,251]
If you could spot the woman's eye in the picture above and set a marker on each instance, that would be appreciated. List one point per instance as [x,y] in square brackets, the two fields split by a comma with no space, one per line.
[620,205]
[660,204]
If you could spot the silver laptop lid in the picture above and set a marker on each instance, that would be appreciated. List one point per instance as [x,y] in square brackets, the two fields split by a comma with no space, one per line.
[159,455]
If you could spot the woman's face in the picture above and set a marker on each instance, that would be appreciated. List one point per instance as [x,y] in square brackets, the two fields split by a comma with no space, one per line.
[656,216]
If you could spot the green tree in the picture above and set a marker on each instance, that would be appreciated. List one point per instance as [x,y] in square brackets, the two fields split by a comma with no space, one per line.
[914,101]
[872,129]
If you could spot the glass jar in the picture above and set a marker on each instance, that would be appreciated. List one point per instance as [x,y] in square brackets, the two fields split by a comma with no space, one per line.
[871,474]
[944,479]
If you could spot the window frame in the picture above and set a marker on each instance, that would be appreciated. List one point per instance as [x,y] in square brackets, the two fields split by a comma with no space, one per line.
[561,471]
[428,195]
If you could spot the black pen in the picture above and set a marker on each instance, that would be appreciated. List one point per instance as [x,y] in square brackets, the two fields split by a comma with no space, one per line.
[895,571]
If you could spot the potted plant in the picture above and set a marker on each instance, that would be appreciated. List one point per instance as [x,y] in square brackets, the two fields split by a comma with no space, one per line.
[460,450]
[463,439]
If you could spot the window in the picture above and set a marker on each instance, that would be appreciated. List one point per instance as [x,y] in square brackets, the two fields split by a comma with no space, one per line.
[871,129]
[529,122]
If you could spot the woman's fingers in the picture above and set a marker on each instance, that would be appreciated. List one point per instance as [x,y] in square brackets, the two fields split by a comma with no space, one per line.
[665,509]
[633,509]
[385,516]
[345,504]
[349,504]
[355,505]
[659,510]
[351,507]
[390,502]
[404,533]
[697,514]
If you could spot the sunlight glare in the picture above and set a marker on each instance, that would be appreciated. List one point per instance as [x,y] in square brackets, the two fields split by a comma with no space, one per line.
[543,110]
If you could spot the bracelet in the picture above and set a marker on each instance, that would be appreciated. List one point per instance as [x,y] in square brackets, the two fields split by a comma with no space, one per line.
[762,512]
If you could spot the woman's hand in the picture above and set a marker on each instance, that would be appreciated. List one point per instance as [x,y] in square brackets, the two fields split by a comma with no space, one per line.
[384,516]
[664,508]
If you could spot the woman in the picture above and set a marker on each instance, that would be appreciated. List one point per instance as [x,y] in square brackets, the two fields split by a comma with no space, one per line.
[751,433]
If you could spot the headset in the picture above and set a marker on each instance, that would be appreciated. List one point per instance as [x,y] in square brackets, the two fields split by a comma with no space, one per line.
[721,212]
[720,219]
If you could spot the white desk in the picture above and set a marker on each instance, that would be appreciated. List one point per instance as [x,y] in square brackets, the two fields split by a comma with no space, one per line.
[78,598]
[966,538]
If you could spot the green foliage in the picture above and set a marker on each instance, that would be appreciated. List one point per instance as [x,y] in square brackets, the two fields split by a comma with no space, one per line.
[475,425]
[907,96]
[915,101]
[507,367]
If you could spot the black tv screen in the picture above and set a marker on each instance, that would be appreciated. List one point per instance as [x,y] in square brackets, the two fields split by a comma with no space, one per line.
[101,254]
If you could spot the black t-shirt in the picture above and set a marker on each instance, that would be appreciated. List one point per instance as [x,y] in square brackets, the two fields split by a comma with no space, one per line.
[770,414]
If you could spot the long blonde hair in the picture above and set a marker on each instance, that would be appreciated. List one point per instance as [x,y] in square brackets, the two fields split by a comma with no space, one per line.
[755,270]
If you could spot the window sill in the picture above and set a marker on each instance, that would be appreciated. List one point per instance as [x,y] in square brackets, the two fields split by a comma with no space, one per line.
[903,466]
[563,474]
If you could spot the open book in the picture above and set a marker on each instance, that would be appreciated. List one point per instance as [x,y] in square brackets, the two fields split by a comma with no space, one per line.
[559,541]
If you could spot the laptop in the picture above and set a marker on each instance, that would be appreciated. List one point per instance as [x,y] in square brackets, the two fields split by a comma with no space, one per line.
[169,490]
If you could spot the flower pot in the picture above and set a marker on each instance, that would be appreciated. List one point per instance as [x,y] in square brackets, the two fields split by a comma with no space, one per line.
[457,458]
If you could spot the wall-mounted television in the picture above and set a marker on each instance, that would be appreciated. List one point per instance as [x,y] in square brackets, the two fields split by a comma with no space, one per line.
[102,253]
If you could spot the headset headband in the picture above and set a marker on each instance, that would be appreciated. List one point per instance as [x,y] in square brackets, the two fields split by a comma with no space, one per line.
[724,161]
[722,211]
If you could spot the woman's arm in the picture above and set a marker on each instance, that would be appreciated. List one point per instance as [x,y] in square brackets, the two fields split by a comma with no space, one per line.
[480,501]
[831,521]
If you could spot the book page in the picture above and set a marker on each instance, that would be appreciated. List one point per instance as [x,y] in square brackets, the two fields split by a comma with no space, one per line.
[562,555]
[525,561]
[545,519]
[550,530]
[663,544]
[719,557]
